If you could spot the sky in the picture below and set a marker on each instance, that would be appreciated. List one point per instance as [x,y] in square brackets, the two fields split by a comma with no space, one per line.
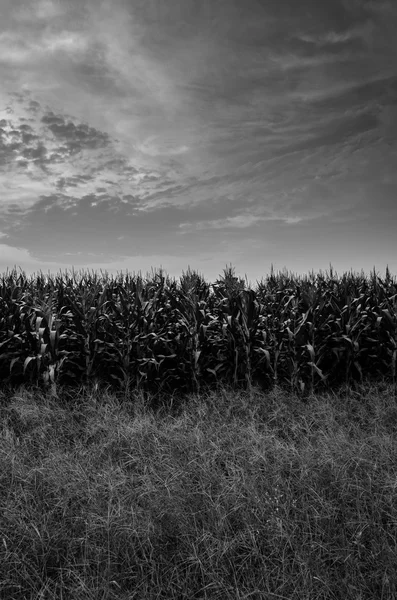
[138,134]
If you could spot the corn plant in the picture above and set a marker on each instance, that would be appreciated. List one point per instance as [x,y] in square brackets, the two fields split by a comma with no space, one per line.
[161,335]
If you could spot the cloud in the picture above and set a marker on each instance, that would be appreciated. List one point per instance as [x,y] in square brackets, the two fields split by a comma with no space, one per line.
[155,146]
[74,137]
[16,51]
[20,146]
[237,222]
[72,157]
[388,121]
[359,32]
[70,42]
[74,181]
[148,121]
[40,10]
[386,8]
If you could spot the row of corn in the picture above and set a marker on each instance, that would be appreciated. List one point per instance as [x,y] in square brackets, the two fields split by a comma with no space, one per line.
[162,335]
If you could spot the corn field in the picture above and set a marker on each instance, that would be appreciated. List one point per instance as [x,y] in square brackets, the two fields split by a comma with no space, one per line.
[162,335]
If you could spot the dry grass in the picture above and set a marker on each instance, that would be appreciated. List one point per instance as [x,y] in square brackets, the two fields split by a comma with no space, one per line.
[226,496]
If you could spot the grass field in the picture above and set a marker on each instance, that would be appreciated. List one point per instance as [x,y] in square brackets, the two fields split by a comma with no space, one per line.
[231,495]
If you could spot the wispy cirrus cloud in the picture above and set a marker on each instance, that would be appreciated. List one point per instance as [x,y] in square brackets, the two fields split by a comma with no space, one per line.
[153,128]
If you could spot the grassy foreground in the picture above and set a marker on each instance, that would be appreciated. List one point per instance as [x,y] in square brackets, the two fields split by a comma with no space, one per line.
[227,496]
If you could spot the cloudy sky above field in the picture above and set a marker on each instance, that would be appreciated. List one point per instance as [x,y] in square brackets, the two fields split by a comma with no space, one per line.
[140,133]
